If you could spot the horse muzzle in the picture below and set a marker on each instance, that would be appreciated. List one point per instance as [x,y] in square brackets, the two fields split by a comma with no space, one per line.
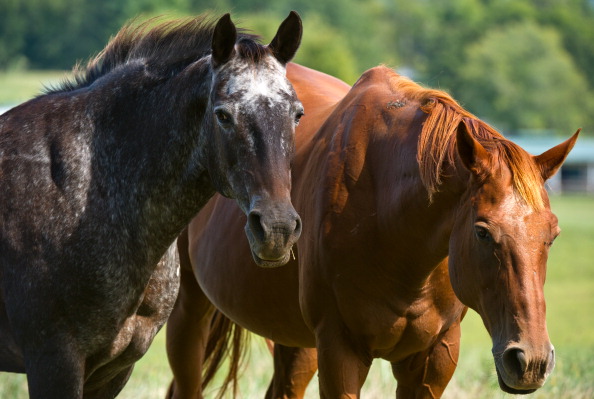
[522,370]
[272,231]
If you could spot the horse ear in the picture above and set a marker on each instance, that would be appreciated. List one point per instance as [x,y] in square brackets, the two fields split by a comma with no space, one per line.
[285,43]
[472,154]
[551,160]
[223,40]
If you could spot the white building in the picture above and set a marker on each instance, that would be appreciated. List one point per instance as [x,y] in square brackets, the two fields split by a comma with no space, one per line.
[577,173]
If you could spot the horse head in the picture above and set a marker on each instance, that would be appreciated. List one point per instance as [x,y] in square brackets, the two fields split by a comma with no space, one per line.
[499,248]
[254,110]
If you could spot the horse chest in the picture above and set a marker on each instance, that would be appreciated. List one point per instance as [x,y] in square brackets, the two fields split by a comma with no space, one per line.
[393,329]
[136,332]
[408,336]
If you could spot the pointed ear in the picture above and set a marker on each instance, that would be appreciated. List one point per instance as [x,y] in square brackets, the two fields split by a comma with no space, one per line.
[551,160]
[223,40]
[287,38]
[472,154]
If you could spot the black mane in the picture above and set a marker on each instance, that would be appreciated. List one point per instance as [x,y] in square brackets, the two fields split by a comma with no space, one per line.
[165,47]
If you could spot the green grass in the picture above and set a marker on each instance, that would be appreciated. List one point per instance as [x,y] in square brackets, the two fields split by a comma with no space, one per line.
[19,86]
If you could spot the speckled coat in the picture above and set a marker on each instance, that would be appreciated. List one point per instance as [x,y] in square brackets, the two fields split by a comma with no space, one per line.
[100,175]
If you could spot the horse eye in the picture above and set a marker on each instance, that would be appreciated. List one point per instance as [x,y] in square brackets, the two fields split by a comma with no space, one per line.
[482,233]
[223,117]
[550,243]
[298,117]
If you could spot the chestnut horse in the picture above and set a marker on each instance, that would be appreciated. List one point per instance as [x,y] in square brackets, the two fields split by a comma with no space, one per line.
[100,175]
[414,209]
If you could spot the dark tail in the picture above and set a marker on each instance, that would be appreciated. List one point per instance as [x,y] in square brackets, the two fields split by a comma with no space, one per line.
[225,338]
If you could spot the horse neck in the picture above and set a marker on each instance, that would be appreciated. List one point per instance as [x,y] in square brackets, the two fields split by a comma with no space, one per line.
[422,225]
[148,164]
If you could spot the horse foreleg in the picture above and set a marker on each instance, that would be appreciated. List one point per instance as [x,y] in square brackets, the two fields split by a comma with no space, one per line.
[293,370]
[55,371]
[187,332]
[343,367]
[426,374]
[112,388]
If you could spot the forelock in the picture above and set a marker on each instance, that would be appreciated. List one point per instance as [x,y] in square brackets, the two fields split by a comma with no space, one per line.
[251,50]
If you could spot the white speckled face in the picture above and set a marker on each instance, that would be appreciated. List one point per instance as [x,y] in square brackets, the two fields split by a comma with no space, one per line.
[272,86]
[248,88]
[255,110]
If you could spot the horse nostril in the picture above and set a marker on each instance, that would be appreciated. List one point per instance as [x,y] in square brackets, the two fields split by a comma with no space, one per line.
[515,362]
[263,229]
[255,223]
[551,361]
[297,230]
[521,356]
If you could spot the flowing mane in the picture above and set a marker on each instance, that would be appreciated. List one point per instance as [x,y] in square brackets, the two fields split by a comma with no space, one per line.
[166,47]
[437,142]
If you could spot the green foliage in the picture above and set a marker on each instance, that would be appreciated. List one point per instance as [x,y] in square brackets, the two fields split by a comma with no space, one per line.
[12,39]
[431,36]
[478,50]
[522,77]
[322,47]
[332,26]
[574,21]
[521,64]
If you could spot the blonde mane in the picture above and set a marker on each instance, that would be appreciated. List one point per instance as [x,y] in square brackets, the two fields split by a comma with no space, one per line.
[437,142]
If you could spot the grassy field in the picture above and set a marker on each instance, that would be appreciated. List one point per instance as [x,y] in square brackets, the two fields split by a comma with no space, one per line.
[570,300]
[17,87]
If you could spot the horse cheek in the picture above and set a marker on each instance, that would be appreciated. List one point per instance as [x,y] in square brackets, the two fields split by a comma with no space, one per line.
[456,278]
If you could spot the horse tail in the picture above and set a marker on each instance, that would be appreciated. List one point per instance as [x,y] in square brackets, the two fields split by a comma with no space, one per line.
[225,338]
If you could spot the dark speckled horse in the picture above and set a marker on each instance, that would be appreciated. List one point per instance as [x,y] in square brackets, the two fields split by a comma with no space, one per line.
[100,175]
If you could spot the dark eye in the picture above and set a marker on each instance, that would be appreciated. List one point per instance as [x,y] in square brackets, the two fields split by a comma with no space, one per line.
[223,118]
[550,243]
[298,116]
[482,233]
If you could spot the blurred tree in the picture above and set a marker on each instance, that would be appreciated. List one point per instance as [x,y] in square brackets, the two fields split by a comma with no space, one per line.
[430,37]
[12,29]
[435,42]
[325,49]
[521,77]
[360,24]
[60,32]
[322,47]
[443,43]
[574,19]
